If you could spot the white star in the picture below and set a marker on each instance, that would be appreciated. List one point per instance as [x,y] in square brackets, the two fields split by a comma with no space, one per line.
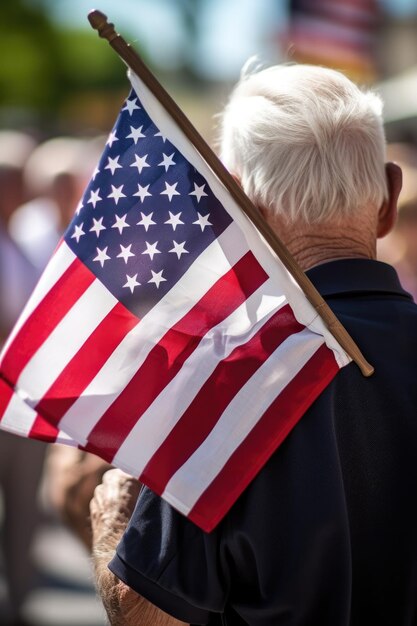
[157,278]
[131,282]
[112,138]
[116,193]
[167,161]
[151,249]
[178,249]
[170,190]
[140,163]
[203,221]
[97,226]
[146,221]
[120,223]
[131,106]
[113,164]
[159,134]
[174,220]
[101,256]
[96,171]
[142,192]
[135,134]
[78,232]
[94,197]
[198,192]
[125,252]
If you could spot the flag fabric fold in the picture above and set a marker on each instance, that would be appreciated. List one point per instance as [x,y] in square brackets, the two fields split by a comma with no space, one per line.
[165,335]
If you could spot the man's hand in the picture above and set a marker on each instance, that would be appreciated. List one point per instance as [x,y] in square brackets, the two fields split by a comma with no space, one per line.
[111,509]
[113,504]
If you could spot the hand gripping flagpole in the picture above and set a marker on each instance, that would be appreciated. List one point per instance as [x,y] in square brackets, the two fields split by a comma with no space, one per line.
[106,30]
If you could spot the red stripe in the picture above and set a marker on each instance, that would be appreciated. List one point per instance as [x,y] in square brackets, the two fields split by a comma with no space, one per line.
[43,430]
[6,394]
[228,378]
[167,357]
[84,366]
[271,430]
[307,38]
[47,315]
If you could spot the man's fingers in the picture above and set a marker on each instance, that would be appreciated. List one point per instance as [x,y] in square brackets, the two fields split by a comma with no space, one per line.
[116,476]
[98,501]
[118,483]
[93,507]
[116,491]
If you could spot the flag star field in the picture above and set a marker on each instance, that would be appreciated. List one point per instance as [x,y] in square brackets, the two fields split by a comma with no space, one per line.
[146,214]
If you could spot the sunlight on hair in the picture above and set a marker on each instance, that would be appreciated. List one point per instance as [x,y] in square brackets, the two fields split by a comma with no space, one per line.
[305,141]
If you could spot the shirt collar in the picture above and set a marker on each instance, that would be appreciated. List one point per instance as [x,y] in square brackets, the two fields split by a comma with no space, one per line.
[356,276]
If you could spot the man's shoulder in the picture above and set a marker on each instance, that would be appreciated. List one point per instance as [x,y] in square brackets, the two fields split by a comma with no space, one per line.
[369,300]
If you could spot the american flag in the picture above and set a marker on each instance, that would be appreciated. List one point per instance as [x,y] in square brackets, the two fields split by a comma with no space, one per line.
[339,34]
[164,335]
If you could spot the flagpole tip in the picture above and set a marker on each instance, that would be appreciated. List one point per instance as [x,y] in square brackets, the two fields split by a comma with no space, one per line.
[96,18]
[366,369]
[99,22]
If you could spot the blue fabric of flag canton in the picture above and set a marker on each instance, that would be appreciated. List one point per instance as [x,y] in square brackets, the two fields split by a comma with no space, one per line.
[146,214]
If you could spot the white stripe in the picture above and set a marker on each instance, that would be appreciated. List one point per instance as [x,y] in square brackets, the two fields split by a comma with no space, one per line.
[65,439]
[58,264]
[19,416]
[242,414]
[216,260]
[164,413]
[65,340]
[284,281]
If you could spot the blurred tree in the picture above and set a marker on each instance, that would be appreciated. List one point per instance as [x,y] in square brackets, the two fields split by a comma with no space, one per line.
[28,47]
[46,70]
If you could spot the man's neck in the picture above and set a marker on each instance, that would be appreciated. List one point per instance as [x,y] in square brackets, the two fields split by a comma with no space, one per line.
[315,244]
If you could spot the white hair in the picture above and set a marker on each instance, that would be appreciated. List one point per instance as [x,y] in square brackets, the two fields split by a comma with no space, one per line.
[305,142]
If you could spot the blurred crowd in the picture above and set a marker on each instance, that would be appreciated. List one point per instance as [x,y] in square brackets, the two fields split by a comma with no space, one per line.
[399,248]
[41,184]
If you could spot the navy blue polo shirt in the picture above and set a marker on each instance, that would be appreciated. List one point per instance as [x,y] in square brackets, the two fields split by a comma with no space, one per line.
[326,534]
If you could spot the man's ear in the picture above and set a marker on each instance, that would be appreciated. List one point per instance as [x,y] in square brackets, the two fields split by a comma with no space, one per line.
[388,211]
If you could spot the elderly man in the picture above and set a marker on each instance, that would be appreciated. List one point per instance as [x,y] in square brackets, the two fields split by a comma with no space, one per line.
[326,534]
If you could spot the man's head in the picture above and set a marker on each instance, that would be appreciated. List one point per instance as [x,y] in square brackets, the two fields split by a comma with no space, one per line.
[308,148]
[305,143]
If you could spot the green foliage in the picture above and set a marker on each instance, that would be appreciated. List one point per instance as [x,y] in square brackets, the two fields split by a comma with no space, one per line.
[88,63]
[44,67]
[28,52]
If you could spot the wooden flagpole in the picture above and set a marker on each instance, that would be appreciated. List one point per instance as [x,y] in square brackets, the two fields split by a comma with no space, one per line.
[106,30]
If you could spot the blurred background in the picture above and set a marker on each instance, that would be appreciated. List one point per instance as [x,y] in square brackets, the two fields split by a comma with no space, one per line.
[60,91]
